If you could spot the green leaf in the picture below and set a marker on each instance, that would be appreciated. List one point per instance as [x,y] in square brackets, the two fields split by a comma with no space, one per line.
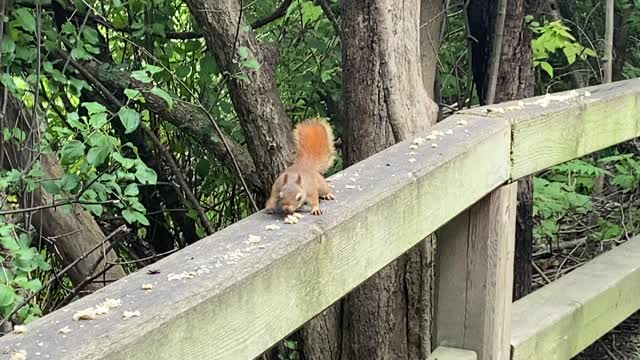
[94,107]
[72,151]
[141,76]
[130,119]
[9,243]
[97,155]
[31,285]
[79,54]
[68,28]
[25,19]
[152,69]
[547,67]
[252,64]
[163,94]
[69,182]
[8,45]
[146,175]
[129,216]
[570,53]
[90,34]
[126,163]
[98,120]
[7,296]
[133,94]
[51,187]
[243,51]
[131,190]
[74,120]
[202,168]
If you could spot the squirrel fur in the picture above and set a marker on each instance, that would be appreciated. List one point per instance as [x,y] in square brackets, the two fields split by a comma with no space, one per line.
[303,181]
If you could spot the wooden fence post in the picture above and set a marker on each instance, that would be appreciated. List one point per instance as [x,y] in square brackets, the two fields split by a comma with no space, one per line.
[474,276]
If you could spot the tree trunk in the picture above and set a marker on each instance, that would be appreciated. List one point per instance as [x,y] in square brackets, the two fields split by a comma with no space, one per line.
[266,125]
[516,80]
[385,101]
[76,232]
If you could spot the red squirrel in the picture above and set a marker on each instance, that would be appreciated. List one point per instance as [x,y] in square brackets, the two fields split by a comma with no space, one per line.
[303,181]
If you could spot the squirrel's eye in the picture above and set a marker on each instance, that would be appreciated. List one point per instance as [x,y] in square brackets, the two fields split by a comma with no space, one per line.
[299,197]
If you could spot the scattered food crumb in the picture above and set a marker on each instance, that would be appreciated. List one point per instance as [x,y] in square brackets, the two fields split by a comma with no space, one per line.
[449,132]
[418,141]
[290,219]
[352,179]
[65,330]
[253,239]
[496,109]
[350,186]
[183,275]
[147,286]
[412,160]
[461,122]
[412,153]
[587,93]
[338,175]
[298,215]
[86,314]
[413,146]
[19,355]
[431,137]
[434,145]
[272,227]
[20,329]
[130,314]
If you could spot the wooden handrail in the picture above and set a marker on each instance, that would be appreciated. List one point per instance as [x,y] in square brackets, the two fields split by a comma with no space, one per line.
[234,294]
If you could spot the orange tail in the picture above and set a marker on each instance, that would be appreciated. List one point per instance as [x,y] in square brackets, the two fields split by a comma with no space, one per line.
[314,144]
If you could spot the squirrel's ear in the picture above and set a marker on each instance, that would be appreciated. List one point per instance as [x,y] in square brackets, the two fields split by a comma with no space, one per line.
[299,179]
[284,180]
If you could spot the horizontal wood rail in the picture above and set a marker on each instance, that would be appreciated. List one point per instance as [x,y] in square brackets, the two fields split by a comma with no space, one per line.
[234,294]
[563,318]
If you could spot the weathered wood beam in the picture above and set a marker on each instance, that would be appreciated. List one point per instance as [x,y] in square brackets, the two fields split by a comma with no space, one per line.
[248,293]
[551,129]
[474,276]
[447,353]
[561,319]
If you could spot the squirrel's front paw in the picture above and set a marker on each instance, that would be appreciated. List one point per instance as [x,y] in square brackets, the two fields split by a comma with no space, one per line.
[270,210]
[316,211]
[328,196]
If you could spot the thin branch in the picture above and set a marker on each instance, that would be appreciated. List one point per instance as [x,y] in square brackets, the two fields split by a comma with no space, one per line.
[280,12]
[76,290]
[496,52]
[608,43]
[57,204]
[330,15]
[61,273]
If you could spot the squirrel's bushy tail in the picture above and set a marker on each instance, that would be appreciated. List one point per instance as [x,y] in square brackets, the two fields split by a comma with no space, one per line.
[314,144]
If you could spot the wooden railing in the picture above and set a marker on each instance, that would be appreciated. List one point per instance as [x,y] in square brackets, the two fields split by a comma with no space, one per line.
[234,294]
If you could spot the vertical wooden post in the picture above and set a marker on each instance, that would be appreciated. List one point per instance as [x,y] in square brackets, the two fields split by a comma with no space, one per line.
[474,276]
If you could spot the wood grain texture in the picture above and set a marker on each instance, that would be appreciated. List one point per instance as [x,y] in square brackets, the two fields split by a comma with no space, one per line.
[474,271]
[563,318]
[250,294]
[447,353]
[549,130]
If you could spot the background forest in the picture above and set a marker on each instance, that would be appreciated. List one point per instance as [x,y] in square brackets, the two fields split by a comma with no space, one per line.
[148,127]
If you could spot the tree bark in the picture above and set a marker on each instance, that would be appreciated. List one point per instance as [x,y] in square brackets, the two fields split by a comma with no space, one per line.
[262,116]
[385,101]
[515,81]
[74,233]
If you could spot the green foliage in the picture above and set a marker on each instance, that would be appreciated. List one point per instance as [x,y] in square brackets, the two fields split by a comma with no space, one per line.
[21,263]
[554,36]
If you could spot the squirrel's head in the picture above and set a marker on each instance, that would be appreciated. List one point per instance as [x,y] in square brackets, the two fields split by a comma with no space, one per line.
[291,195]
